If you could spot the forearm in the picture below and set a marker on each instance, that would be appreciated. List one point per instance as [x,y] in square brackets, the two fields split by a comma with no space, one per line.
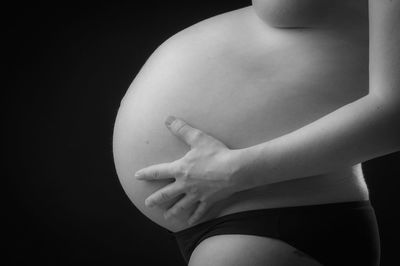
[357,132]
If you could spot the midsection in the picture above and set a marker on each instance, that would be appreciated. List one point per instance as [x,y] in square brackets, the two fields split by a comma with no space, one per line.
[243,82]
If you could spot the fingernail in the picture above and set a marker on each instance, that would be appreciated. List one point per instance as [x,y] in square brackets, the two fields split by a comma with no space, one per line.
[137,174]
[169,120]
[148,204]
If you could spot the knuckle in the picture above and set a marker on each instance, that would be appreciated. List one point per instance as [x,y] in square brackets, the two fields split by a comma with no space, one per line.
[173,212]
[197,215]
[204,198]
[184,173]
[168,215]
[180,127]
[181,207]
[203,206]
[179,169]
[163,195]
[196,135]
[177,210]
[149,201]
[156,174]
[174,168]
[192,189]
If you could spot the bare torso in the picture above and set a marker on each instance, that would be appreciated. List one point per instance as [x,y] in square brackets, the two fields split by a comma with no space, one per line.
[243,82]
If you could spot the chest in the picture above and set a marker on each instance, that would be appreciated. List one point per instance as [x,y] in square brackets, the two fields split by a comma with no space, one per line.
[294,13]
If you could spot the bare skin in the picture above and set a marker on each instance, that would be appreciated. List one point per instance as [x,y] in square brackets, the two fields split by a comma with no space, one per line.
[276,165]
[253,250]
[256,79]
[372,114]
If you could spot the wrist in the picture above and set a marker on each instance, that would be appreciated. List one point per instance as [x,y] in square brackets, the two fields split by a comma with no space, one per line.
[247,168]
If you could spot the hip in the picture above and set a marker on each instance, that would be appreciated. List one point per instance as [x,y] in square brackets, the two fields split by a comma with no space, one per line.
[339,186]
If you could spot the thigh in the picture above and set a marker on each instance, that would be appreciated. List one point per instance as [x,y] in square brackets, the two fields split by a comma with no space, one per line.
[245,250]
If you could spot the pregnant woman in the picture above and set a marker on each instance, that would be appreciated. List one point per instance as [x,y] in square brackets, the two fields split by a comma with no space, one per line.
[270,110]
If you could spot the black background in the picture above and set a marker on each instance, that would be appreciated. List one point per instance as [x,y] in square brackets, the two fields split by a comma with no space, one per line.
[68,67]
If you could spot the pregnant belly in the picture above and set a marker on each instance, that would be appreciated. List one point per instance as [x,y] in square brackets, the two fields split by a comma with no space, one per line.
[243,83]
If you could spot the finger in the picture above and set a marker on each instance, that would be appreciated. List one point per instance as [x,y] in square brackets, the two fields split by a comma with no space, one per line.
[164,194]
[190,135]
[181,206]
[198,213]
[155,172]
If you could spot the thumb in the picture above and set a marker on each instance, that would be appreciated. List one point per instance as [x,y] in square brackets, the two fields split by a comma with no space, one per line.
[190,135]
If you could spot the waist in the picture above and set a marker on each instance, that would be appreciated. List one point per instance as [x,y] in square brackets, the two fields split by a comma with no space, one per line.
[341,186]
[321,209]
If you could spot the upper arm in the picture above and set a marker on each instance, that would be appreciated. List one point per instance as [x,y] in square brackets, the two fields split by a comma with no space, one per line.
[385,50]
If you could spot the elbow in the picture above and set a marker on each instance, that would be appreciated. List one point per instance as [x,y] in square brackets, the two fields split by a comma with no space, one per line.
[387,108]
[387,102]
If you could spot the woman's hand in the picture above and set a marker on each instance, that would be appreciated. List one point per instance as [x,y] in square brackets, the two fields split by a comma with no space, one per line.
[206,174]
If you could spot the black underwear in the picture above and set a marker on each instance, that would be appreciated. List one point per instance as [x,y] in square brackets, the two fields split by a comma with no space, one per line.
[344,233]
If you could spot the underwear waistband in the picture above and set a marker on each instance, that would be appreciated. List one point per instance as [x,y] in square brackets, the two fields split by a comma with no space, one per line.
[314,207]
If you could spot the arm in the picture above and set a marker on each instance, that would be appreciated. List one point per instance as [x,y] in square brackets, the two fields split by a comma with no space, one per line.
[359,131]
